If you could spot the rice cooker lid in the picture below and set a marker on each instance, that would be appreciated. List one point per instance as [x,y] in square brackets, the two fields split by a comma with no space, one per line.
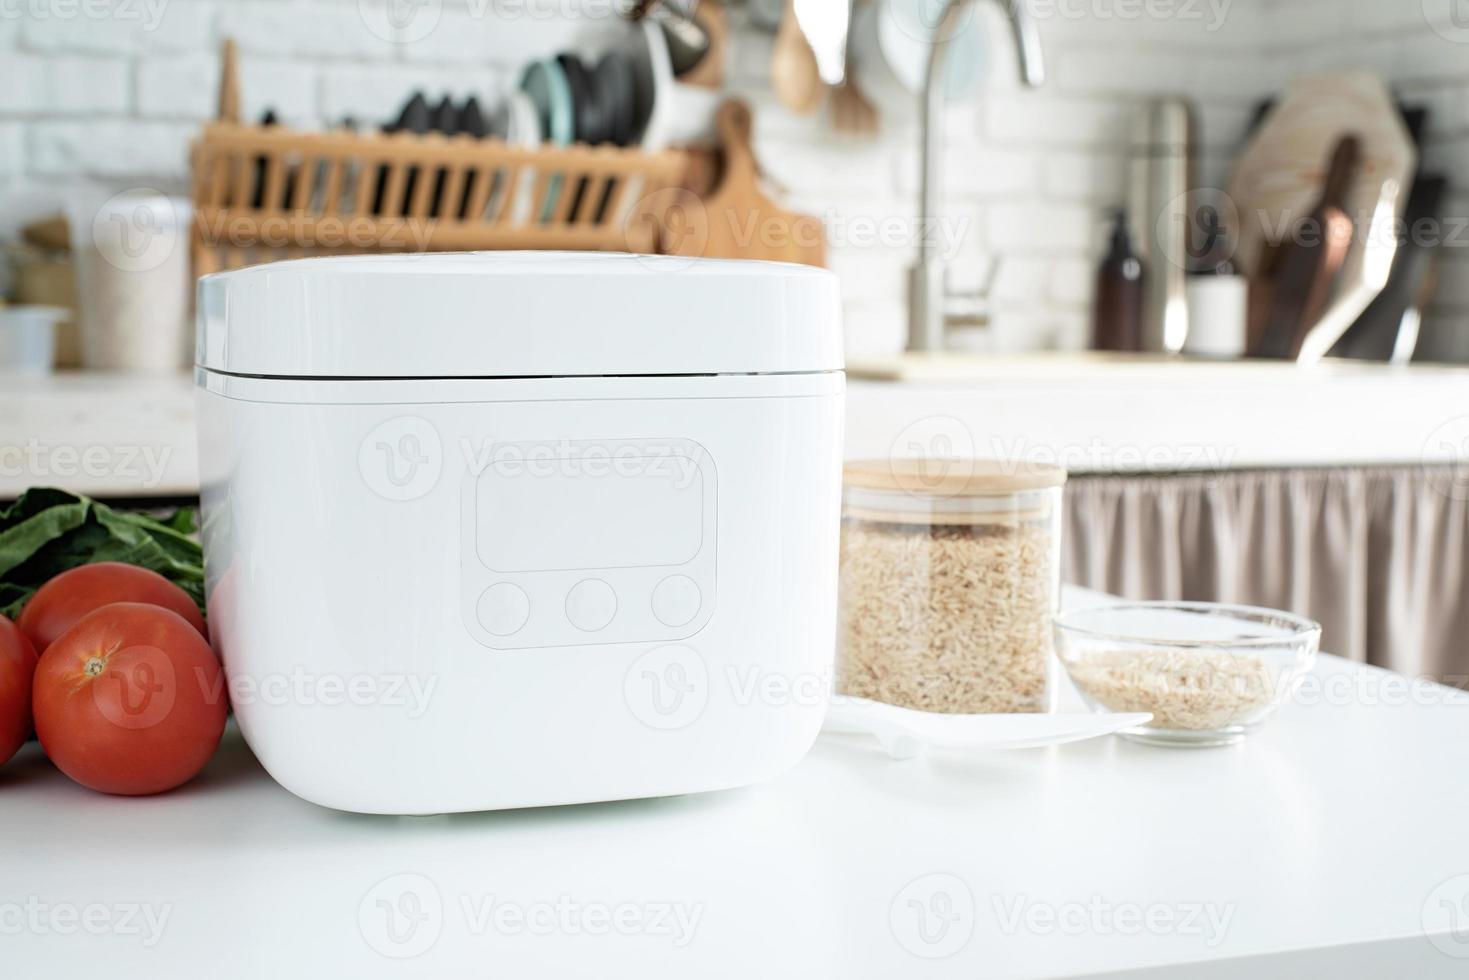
[518,314]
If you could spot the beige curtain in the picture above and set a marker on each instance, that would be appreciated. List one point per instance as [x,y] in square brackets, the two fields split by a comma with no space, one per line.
[1380,556]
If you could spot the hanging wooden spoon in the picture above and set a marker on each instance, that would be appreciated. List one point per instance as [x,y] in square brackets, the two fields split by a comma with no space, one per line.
[793,71]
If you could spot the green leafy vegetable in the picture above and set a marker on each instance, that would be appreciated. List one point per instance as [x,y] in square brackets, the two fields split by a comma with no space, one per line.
[47,531]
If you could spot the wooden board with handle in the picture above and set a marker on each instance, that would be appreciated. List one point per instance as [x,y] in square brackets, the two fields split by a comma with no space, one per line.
[736,219]
[1306,265]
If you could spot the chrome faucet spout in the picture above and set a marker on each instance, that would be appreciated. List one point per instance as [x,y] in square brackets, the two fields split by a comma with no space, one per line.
[927,290]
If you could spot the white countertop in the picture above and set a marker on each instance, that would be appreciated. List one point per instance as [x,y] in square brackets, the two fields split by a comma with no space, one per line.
[1106,414]
[134,436]
[99,434]
[1327,844]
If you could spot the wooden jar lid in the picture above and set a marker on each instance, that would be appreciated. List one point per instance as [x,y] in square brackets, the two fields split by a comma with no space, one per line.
[946,477]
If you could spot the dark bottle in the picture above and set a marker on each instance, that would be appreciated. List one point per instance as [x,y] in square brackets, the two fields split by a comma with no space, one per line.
[1117,316]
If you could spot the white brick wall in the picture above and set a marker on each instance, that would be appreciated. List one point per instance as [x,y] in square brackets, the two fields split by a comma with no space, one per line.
[12,151]
[109,148]
[114,99]
[143,27]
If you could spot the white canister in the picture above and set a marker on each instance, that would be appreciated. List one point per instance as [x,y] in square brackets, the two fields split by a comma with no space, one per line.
[28,338]
[134,285]
[1218,309]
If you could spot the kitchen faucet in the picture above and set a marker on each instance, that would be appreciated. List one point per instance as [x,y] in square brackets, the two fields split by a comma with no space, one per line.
[929,315]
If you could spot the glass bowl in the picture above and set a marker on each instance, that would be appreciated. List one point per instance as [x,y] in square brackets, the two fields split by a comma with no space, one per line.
[1210,673]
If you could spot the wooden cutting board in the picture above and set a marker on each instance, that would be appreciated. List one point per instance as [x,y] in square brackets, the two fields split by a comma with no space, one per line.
[1307,264]
[1278,177]
[736,219]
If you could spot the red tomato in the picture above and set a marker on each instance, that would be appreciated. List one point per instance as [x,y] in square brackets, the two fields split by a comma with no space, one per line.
[130,700]
[17,667]
[77,591]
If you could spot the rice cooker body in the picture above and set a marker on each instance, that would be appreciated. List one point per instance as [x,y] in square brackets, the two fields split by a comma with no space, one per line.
[447,594]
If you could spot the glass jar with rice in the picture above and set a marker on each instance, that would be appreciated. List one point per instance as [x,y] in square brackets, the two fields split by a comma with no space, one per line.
[950,575]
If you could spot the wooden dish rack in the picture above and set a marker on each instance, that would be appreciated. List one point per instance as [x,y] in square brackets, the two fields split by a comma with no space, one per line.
[263,193]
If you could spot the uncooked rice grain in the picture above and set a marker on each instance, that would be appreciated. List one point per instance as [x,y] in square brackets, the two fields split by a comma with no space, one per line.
[950,618]
[1189,690]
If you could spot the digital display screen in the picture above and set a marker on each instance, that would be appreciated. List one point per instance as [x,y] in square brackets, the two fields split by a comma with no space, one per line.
[589,509]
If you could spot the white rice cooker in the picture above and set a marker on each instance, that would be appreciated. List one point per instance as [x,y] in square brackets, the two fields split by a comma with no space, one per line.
[515,529]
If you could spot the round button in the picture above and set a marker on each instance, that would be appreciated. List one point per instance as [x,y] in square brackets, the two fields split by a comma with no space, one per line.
[591,604]
[503,608]
[676,600]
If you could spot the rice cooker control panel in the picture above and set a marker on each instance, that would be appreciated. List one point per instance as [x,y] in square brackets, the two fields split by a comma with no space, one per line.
[588,542]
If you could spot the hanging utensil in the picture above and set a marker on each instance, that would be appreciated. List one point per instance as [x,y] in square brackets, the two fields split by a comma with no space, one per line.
[825,24]
[852,112]
[793,70]
[688,41]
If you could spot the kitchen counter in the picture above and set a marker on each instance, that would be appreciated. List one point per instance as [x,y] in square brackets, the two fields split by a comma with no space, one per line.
[134,436]
[1330,843]
[99,434]
[1098,413]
